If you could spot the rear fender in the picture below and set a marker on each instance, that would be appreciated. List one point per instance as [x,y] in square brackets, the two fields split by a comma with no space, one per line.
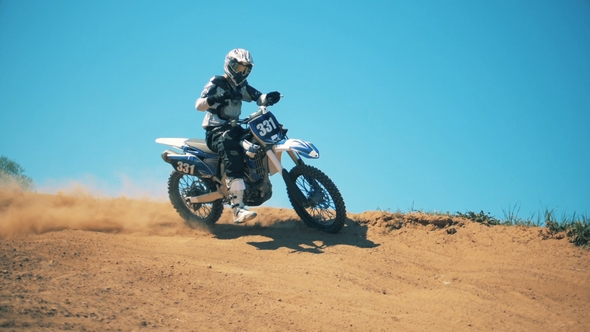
[175,142]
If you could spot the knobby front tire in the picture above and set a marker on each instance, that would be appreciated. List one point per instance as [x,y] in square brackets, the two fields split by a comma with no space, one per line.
[181,186]
[324,208]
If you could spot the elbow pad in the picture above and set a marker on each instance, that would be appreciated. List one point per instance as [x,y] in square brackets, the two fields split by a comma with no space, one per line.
[211,100]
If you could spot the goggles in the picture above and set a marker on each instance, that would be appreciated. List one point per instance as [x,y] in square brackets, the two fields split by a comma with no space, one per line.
[240,68]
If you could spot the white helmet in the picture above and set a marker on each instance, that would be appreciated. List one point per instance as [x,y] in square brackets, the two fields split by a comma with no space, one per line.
[238,65]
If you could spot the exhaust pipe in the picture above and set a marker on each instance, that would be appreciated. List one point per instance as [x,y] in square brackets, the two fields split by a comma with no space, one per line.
[206,198]
[165,154]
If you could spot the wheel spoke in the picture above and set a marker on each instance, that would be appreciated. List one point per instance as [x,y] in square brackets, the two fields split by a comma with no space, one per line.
[189,186]
[320,204]
[323,207]
[183,186]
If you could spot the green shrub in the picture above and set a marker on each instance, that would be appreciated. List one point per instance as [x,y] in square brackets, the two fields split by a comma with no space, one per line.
[579,232]
[481,217]
[12,175]
[576,229]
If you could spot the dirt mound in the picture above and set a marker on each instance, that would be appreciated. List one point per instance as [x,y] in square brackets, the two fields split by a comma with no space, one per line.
[74,261]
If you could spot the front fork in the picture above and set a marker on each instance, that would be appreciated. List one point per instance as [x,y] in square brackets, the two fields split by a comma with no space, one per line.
[296,158]
[290,182]
[315,195]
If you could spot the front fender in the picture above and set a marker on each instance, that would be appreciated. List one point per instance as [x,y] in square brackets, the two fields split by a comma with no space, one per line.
[306,149]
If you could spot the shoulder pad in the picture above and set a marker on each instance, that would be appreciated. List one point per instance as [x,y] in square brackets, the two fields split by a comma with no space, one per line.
[221,82]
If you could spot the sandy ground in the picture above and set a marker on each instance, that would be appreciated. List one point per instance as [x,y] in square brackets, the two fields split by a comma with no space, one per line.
[78,262]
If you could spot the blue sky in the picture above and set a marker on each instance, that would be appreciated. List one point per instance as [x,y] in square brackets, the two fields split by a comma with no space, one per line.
[433,105]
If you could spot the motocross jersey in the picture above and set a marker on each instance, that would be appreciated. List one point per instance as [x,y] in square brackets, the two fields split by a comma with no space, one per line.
[219,113]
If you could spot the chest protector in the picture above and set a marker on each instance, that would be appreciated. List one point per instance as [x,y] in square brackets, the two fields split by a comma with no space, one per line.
[232,108]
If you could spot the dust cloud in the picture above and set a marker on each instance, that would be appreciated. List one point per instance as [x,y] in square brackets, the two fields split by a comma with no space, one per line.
[23,213]
[80,208]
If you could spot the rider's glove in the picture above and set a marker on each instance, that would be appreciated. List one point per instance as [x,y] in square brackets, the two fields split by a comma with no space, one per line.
[211,100]
[272,98]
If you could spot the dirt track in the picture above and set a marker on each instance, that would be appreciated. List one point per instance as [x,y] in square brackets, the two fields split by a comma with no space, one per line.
[84,263]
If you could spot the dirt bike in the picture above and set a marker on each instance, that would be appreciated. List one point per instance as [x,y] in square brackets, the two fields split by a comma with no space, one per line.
[197,189]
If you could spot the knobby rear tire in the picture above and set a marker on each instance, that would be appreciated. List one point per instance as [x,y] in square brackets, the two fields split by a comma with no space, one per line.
[324,208]
[182,185]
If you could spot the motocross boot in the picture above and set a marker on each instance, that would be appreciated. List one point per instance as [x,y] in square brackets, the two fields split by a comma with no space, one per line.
[236,191]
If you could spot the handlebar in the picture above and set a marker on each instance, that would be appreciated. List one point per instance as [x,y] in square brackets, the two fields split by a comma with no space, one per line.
[261,110]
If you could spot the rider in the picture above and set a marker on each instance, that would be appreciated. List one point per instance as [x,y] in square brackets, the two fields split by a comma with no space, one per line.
[222,99]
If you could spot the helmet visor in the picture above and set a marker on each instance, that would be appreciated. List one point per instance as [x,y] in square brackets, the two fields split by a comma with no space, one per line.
[241,68]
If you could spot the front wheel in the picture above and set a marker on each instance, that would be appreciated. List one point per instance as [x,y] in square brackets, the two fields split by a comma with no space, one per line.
[181,186]
[324,207]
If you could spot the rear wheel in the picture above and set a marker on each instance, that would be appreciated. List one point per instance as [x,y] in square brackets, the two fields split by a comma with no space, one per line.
[324,207]
[181,186]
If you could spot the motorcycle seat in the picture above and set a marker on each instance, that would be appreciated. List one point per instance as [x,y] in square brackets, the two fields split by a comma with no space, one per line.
[200,144]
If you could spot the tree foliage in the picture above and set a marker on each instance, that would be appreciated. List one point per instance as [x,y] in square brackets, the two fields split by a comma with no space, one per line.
[12,174]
